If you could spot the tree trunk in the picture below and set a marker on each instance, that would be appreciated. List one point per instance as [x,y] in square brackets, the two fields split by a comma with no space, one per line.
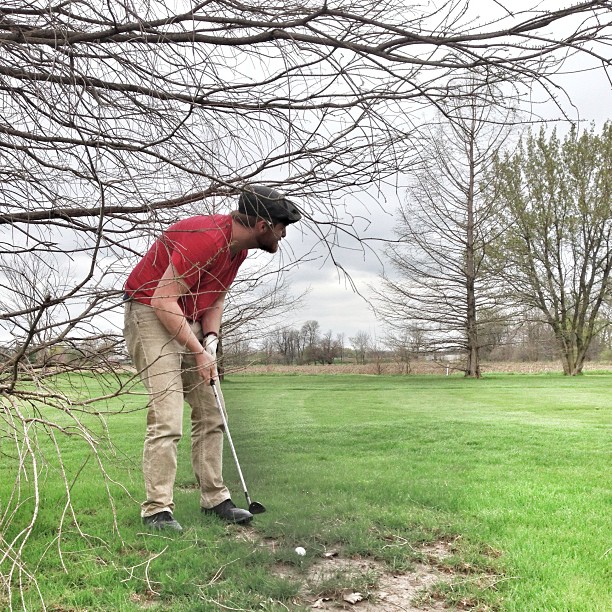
[572,357]
[473,363]
[473,357]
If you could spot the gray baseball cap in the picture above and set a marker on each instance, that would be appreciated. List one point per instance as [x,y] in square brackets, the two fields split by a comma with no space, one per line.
[267,203]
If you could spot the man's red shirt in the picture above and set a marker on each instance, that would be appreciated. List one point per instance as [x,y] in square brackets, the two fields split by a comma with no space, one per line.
[199,249]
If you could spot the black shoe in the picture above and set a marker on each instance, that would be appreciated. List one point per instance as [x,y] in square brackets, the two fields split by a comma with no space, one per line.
[228,512]
[162,520]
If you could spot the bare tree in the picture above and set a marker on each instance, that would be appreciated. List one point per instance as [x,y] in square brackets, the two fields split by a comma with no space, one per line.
[328,347]
[117,117]
[340,344]
[27,281]
[444,229]
[309,334]
[288,344]
[408,342]
[361,343]
[259,298]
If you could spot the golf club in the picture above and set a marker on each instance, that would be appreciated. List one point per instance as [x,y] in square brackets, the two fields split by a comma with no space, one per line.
[254,507]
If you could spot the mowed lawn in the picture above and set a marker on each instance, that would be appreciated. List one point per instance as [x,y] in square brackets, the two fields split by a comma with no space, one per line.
[511,473]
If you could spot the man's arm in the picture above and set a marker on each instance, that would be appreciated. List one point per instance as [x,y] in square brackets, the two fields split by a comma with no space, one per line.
[165,302]
[211,319]
[211,324]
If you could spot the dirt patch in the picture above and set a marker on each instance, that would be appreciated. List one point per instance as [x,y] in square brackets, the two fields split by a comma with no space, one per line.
[334,582]
[144,600]
[383,590]
[437,551]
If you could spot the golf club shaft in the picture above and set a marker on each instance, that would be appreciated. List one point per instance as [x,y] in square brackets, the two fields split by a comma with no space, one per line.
[229,439]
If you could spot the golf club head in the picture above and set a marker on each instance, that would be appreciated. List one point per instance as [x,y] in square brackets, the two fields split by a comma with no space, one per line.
[256,508]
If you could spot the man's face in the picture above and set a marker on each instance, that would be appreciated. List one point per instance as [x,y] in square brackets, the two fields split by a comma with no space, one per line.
[273,234]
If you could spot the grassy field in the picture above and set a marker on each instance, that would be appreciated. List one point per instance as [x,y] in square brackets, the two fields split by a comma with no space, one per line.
[507,478]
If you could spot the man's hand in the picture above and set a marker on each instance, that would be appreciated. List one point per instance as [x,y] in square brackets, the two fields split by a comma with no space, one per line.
[206,365]
[211,342]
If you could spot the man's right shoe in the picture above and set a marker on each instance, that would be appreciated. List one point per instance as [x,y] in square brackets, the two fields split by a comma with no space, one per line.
[162,520]
[227,511]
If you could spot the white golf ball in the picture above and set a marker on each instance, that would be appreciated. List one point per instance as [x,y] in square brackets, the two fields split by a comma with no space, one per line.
[300,551]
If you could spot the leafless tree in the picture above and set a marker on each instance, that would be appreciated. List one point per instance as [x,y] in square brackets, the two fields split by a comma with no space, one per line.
[361,343]
[118,117]
[259,299]
[329,348]
[408,343]
[310,336]
[27,281]
[340,344]
[288,344]
[444,229]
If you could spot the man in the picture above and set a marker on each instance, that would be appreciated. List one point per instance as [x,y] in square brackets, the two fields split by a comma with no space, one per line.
[174,303]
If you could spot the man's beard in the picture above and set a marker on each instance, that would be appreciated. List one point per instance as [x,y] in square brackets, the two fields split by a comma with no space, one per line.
[268,247]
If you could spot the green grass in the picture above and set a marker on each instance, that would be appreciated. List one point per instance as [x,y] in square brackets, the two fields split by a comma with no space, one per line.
[512,471]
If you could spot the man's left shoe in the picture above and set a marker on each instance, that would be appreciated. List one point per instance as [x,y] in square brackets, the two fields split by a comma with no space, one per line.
[162,520]
[227,511]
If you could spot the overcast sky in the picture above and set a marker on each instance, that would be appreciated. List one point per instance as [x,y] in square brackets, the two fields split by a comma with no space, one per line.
[334,298]
[333,302]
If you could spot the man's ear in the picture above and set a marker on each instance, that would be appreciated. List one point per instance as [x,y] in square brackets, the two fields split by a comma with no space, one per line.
[262,225]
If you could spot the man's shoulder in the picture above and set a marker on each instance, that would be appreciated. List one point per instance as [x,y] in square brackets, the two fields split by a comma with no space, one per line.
[201,238]
[203,222]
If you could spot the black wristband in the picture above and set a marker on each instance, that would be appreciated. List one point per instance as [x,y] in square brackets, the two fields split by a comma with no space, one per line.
[211,334]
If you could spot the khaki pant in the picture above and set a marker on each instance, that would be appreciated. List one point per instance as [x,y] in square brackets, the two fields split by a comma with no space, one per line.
[169,375]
